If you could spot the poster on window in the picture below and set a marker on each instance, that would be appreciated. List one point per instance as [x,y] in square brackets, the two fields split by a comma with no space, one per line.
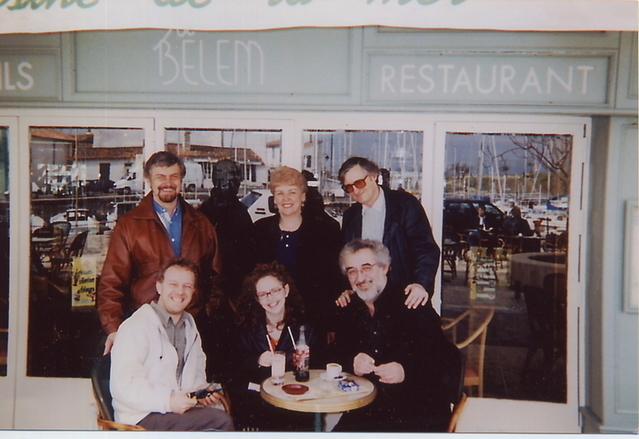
[83,281]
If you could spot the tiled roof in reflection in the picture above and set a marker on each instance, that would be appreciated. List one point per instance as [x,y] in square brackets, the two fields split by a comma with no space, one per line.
[53,134]
[216,153]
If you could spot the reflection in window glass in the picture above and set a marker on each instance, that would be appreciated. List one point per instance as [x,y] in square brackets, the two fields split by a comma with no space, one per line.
[82,179]
[397,153]
[504,256]
[4,248]
[209,154]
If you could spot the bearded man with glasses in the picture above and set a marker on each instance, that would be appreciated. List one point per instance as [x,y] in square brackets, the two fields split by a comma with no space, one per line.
[402,350]
[397,219]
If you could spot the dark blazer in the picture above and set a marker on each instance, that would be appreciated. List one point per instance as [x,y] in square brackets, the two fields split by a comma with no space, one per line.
[411,337]
[317,273]
[408,236]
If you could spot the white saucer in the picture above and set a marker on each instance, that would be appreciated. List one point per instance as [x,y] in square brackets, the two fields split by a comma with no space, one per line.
[337,378]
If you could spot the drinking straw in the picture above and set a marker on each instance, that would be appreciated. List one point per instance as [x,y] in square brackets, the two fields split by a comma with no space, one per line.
[291,334]
[268,341]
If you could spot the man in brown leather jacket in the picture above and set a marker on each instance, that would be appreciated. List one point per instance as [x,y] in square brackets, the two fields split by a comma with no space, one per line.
[161,227]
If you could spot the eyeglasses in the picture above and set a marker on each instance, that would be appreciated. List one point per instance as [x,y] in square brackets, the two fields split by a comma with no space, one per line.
[364,269]
[264,294]
[359,184]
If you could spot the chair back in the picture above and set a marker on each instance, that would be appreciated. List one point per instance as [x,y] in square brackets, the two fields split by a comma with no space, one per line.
[77,246]
[452,381]
[475,342]
[64,226]
[454,370]
[100,377]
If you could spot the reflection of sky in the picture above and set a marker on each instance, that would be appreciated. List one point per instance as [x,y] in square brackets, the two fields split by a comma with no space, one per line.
[110,137]
[228,138]
[499,151]
[394,150]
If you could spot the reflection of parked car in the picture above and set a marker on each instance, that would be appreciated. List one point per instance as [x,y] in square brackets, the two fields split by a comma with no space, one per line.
[259,203]
[95,186]
[118,210]
[80,220]
[460,215]
[129,184]
[36,222]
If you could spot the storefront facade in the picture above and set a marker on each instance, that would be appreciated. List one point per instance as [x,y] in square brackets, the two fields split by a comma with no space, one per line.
[84,109]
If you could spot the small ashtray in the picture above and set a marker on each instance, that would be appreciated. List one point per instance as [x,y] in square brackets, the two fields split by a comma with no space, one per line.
[295,389]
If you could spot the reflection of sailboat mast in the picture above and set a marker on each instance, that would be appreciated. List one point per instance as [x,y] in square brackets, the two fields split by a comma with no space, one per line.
[413,151]
[496,170]
[403,158]
[480,171]
[350,143]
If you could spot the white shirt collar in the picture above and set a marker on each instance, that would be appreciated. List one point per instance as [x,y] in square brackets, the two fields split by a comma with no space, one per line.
[379,205]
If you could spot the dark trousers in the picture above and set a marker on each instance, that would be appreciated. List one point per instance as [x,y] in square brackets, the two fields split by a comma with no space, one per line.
[195,419]
[386,414]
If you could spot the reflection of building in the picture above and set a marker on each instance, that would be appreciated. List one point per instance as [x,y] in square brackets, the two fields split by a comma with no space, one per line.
[253,168]
[61,162]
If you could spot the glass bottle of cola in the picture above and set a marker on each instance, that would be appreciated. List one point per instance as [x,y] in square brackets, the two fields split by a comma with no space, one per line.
[302,354]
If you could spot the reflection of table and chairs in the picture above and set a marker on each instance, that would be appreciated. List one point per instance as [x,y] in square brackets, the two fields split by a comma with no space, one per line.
[321,397]
[47,241]
[475,323]
[450,251]
[63,261]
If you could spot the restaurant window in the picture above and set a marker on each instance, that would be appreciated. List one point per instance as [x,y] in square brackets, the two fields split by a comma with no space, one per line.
[397,153]
[82,180]
[504,259]
[4,249]
[207,154]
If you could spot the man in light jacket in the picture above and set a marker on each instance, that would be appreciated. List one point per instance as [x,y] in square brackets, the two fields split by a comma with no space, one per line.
[157,361]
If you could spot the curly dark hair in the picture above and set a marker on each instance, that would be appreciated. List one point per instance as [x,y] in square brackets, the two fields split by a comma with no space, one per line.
[250,313]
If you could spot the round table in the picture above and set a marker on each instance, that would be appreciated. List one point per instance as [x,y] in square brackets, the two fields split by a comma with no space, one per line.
[322,396]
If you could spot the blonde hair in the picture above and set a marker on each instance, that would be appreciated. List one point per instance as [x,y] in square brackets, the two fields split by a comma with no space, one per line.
[283,175]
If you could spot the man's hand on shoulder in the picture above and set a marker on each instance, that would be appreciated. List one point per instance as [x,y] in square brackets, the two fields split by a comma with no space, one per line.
[417,295]
[180,402]
[390,373]
[108,344]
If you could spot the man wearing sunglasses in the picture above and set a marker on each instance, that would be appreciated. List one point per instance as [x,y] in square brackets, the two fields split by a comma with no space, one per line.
[397,219]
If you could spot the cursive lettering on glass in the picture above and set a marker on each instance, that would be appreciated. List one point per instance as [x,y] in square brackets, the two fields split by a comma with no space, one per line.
[185,56]
[174,3]
[37,4]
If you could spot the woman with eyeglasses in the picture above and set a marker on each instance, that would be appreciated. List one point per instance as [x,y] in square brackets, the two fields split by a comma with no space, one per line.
[307,241]
[270,314]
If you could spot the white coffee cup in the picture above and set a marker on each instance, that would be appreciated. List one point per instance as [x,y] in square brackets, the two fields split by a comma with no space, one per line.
[333,370]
